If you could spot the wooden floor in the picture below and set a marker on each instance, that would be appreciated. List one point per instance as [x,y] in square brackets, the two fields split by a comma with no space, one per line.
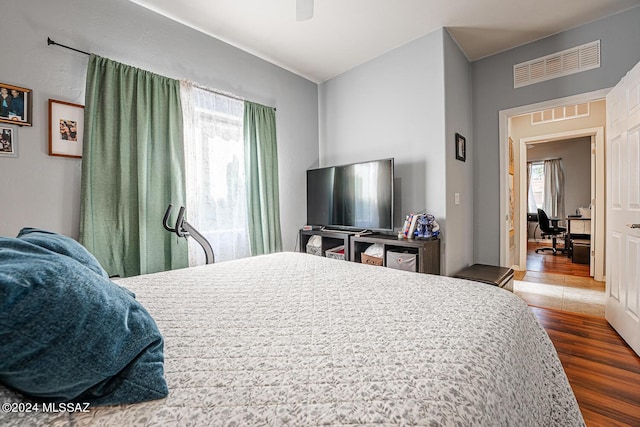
[546,262]
[603,371]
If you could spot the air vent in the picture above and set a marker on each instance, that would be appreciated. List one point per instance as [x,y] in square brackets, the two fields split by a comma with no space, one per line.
[570,61]
[560,113]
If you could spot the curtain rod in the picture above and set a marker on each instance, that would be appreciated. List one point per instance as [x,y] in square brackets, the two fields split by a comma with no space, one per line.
[50,42]
[544,160]
[219,92]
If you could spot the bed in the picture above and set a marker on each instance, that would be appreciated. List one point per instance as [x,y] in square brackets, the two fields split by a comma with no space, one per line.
[296,339]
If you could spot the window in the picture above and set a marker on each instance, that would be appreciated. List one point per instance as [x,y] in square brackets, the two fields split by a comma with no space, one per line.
[216,195]
[536,187]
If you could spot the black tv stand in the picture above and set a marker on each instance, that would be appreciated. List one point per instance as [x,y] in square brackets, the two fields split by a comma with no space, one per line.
[426,250]
[355,243]
[330,239]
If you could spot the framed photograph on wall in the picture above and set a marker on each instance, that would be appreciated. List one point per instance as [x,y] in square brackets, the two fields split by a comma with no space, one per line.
[511,158]
[15,105]
[66,129]
[461,147]
[8,143]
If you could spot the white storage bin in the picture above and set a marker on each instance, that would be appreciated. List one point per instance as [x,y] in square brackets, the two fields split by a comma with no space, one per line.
[402,261]
[314,245]
[335,253]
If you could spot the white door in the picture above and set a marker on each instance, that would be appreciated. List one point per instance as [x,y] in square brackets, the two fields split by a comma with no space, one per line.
[623,208]
[594,213]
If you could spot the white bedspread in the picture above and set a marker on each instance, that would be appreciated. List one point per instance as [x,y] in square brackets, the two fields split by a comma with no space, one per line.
[304,340]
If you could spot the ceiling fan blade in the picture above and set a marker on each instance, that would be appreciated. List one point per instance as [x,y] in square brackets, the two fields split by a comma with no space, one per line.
[304,10]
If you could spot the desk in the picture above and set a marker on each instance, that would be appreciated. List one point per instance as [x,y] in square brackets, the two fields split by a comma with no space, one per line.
[578,226]
[579,234]
[532,218]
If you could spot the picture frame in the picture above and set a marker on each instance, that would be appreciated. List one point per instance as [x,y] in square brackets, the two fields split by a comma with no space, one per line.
[461,147]
[511,157]
[8,142]
[66,129]
[15,105]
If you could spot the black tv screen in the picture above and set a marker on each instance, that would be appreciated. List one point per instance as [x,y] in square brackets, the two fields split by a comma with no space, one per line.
[355,196]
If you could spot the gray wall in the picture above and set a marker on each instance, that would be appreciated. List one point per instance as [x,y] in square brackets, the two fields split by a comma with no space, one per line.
[394,106]
[42,191]
[493,91]
[459,174]
[576,165]
[390,107]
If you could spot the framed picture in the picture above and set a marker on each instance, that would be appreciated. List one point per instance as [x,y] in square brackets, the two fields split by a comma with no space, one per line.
[8,144]
[511,158]
[66,128]
[461,147]
[15,105]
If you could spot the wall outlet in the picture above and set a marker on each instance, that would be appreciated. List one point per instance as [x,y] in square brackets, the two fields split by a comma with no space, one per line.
[456,197]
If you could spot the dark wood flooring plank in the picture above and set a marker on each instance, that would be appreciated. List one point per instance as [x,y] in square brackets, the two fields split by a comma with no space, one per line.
[623,389]
[602,370]
[548,263]
[599,420]
[614,372]
[613,408]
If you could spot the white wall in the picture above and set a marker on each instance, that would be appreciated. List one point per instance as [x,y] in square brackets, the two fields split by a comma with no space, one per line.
[394,106]
[43,191]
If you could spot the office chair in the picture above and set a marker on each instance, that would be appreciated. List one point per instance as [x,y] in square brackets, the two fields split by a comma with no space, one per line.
[548,231]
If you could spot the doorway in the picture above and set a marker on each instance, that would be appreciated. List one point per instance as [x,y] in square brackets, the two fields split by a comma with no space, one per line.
[596,192]
[561,281]
[564,291]
[573,157]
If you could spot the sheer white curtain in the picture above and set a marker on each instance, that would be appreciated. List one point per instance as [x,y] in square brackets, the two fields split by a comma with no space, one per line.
[553,188]
[531,198]
[214,157]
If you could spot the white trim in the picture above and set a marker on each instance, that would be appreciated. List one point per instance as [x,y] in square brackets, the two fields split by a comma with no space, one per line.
[503,124]
[598,217]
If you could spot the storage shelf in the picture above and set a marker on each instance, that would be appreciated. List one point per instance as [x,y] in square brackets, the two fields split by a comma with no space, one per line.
[426,250]
[330,239]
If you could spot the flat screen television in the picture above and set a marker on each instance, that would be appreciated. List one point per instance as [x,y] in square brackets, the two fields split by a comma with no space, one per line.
[358,196]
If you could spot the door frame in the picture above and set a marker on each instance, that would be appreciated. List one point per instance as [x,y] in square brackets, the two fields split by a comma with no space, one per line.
[597,195]
[503,123]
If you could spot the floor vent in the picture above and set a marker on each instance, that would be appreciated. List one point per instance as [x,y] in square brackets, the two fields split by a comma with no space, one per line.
[570,61]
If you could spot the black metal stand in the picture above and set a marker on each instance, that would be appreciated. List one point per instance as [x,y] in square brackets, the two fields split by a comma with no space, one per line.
[184,229]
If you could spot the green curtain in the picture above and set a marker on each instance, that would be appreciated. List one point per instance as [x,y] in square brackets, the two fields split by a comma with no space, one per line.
[261,166]
[132,168]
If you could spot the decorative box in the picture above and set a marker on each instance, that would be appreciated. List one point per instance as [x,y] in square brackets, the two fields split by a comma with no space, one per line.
[371,260]
[335,253]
